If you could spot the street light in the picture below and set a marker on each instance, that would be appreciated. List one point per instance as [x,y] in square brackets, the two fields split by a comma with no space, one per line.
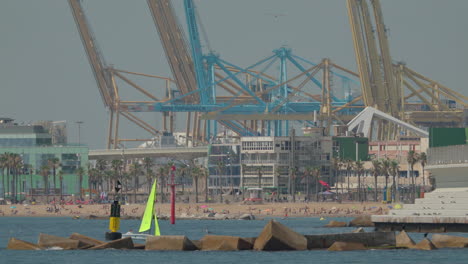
[79,130]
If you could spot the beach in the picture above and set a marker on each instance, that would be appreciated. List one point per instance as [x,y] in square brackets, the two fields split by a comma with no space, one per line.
[200,210]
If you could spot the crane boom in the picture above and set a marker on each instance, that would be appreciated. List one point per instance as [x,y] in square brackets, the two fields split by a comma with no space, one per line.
[175,47]
[195,44]
[373,57]
[100,71]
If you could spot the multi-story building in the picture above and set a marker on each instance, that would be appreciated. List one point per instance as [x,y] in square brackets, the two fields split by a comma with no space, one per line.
[35,146]
[276,163]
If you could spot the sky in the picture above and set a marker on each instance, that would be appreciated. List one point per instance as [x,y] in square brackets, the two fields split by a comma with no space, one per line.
[45,74]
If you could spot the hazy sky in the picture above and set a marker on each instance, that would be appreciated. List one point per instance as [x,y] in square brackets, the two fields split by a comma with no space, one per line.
[45,75]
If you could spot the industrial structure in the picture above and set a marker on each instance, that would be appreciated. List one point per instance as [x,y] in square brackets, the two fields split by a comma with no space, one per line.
[257,100]
[35,145]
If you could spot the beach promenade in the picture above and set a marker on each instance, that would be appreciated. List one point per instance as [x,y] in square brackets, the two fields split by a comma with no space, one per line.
[192,210]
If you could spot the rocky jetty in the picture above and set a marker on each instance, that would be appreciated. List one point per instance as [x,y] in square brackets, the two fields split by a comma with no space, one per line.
[274,237]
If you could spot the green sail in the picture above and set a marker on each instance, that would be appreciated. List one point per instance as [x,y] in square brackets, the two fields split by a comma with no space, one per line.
[149,212]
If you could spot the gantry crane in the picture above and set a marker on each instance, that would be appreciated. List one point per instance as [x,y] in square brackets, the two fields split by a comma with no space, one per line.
[390,87]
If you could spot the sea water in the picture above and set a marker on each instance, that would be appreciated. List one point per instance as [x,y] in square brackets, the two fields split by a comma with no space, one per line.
[29,228]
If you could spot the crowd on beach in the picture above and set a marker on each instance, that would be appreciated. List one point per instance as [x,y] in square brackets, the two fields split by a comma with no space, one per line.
[87,209]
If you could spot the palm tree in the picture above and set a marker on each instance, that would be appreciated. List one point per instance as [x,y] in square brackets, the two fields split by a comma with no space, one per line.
[3,166]
[220,166]
[205,174]
[80,172]
[293,183]
[394,169]
[53,163]
[162,173]
[135,170]
[349,167]
[359,166]
[45,177]
[377,167]
[412,158]
[423,162]
[196,172]
[117,168]
[60,176]
[385,170]
[307,173]
[316,173]
[93,178]
[148,164]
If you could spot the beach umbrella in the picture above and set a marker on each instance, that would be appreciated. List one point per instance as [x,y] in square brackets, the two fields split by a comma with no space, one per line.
[203,206]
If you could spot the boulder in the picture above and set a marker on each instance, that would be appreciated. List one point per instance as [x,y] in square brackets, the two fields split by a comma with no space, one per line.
[425,244]
[247,217]
[276,236]
[17,244]
[346,246]
[48,241]
[226,243]
[362,221]
[85,241]
[123,243]
[138,246]
[359,230]
[445,241]
[369,239]
[169,243]
[403,240]
[197,243]
[250,240]
[334,223]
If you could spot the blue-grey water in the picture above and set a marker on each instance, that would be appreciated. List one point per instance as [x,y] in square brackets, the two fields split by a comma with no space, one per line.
[29,228]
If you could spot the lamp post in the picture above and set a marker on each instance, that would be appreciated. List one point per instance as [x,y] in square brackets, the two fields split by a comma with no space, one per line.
[79,130]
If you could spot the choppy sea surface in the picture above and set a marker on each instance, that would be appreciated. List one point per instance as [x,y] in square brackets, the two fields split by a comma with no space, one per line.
[29,228]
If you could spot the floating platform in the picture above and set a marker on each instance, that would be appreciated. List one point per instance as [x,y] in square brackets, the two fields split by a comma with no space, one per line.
[443,210]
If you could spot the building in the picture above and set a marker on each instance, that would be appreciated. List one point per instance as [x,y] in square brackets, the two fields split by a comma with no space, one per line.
[276,163]
[224,165]
[271,163]
[34,144]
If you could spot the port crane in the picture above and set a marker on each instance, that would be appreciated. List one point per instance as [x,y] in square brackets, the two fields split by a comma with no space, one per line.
[254,100]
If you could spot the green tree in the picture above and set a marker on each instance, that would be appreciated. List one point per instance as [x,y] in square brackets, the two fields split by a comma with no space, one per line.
[376,169]
[307,174]
[60,176]
[3,166]
[385,166]
[359,167]
[44,171]
[316,172]
[221,166]
[80,171]
[412,158]
[349,164]
[395,169]
[162,174]
[423,162]
[196,173]
[135,170]
[54,163]
[148,165]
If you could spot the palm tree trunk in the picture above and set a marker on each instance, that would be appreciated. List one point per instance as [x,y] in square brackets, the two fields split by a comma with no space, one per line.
[316,188]
[375,188]
[196,189]
[359,186]
[308,187]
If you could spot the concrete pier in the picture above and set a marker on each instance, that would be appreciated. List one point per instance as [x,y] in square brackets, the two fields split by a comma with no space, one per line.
[443,210]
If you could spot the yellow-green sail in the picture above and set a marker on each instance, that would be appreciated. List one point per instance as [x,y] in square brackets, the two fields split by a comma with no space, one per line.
[149,212]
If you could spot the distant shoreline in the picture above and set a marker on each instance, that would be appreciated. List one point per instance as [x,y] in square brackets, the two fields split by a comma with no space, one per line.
[200,210]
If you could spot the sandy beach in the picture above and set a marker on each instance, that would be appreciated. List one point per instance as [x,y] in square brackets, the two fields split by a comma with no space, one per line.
[192,210]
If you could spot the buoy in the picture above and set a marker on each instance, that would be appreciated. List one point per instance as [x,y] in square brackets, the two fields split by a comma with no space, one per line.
[321,218]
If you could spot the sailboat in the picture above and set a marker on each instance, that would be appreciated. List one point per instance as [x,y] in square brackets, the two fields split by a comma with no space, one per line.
[147,217]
